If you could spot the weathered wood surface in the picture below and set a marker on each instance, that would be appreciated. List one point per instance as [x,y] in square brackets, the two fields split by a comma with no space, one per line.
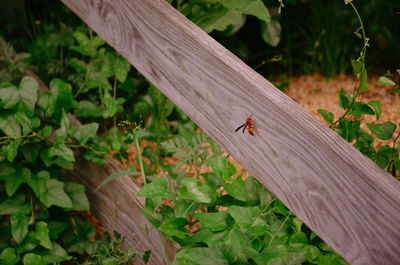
[339,193]
[118,208]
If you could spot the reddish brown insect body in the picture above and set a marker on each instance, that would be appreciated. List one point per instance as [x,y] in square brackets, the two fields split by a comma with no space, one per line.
[248,124]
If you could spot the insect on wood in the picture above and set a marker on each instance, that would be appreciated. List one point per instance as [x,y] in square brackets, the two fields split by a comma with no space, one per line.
[248,124]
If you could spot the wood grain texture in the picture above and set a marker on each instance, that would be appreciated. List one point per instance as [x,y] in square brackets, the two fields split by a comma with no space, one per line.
[339,193]
[117,207]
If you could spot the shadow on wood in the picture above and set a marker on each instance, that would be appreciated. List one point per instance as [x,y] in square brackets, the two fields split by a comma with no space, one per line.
[117,208]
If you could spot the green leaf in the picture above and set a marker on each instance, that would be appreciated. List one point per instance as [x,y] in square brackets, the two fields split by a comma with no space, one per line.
[383,131]
[26,122]
[12,149]
[364,81]
[79,65]
[360,108]
[53,255]
[195,190]
[217,18]
[32,259]
[328,116]
[56,228]
[243,215]
[200,256]
[344,99]
[183,208]
[376,104]
[119,65]
[237,189]
[61,150]
[14,180]
[55,195]
[8,257]
[129,173]
[62,96]
[249,7]
[31,151]
[222,166]
[213,221]
[15,204]
[41,233]
[76,192]
[271,32]
[298,238]
[97,79]
[175,227]
[46,131]
[273,252]
[357,66]
[19,226]
[156,188]
[84,132]
[384,81]
[21,98]
[88,109]
[9,125]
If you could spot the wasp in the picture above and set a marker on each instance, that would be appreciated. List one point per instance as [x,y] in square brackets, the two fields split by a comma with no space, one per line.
[249,125]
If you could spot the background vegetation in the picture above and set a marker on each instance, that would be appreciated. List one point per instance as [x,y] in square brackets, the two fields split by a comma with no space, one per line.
[64,92]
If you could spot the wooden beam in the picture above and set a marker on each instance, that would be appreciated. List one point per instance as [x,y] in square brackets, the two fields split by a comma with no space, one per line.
[339,193]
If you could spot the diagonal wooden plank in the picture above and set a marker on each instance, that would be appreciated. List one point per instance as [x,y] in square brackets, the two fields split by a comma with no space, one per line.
[339,193]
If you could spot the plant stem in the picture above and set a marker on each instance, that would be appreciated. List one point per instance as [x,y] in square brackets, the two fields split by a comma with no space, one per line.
[140,158]
[163,248]
[276,233]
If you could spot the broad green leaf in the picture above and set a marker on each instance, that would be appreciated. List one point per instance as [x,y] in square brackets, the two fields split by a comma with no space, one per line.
[312,252]
[237,189]
[76,192]
[31,151]
[21,98]
[364,81]
[222,166]
[26,122]
[175,227]
[156,188]
[213,221]
[46,131]
[272,252]
[53,255]
[65,126]
[88,109]
[8,257]
[195,190]
[14,180]
[357,66]
[271,32]
[183,208]
[56,228]
[383,131]
[84,132]
[79,65]
[96,79]
[32,259]
[61,150]
[41,233]
[62,96]
[217,18]
[397,90]
[249,7]
[376,104]
[19,226]
[12,149]
[360,108]
[6,169]
[328,116]
[120,66]
[120,174]
[344,99]
[55,195]
[384,81]
[14,204]
[81,38]
[29,244]
[9,125]
[298,238]
[200,256]
[243,215]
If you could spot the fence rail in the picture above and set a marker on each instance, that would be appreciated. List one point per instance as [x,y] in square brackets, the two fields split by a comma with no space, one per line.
[340,194]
